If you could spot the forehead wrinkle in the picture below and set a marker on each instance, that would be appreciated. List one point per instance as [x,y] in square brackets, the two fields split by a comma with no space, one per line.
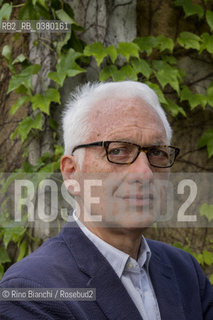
[137,137]
[113,117]
[116,106]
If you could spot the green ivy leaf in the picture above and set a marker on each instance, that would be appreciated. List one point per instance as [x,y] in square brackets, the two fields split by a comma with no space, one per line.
[198,257]
[209,19]
[169,59]
[209,94]
[41,2]
[28,11]
[67,62]
[58,151]
[53,95]
[108,72]
[34,10]
[1,271]
[190,8]
[19,59]
[24,78]
[23,90]
[125,73]
[5,12]
[67,9]
[112,52]
[60,44]
[53,124]
[167,74]
[45,156]
[207,140]
[211,278]
[207,43]
[58,77]
[4,255]
[127,50]
[50,167]
[173,108]
[147,43]
[141,66]
[207,257]
[97,50]
[42,11]
[189,40]
[100,52]
[207,211]
[193,99]
[18,81]
[63,16]
[26,125]
[165,43]
[66,67]
[42,102]
[158,91]
[18,104]
[23,250]
[13,232]
[7,53]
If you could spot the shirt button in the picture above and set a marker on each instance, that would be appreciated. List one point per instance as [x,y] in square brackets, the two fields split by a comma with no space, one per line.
[130,265]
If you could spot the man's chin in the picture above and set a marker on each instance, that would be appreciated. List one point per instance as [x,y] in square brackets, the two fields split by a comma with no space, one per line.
[130,217]
[139,219]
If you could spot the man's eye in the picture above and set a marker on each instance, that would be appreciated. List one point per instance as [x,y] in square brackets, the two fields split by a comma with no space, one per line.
[158,153]
[155,152]
[117,151]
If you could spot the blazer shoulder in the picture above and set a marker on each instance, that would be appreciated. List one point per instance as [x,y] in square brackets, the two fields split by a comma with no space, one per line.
[44,264]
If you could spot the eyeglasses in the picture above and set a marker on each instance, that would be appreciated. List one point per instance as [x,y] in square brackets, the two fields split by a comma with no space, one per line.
[122,152]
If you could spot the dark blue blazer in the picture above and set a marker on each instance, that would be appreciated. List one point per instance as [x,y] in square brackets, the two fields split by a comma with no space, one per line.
[70,260]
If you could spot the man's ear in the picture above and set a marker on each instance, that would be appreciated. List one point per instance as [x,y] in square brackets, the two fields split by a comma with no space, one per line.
[69,168]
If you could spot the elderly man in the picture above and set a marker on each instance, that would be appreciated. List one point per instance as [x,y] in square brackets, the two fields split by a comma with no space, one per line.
[117,139]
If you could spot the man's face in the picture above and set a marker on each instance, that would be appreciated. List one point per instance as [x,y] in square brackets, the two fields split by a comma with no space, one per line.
[129,197]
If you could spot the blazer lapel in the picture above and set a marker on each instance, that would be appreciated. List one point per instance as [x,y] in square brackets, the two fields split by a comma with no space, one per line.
[111,295]
[166,288]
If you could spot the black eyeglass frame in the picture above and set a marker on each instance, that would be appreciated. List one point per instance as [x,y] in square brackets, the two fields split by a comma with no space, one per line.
[106,144]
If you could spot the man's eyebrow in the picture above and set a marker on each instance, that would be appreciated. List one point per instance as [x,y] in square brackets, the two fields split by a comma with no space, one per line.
[158,142]
[154,143]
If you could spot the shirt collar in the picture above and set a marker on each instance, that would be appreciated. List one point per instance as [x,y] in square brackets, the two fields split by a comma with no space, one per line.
[117,258]
[144,254]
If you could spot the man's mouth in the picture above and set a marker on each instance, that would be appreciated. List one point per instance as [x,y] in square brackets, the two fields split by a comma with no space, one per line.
[138,199]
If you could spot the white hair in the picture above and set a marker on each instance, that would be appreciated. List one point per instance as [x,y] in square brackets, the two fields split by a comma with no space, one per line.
[76,126]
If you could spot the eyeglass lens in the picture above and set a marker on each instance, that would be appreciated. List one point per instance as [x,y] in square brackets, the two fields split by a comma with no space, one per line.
[124,152]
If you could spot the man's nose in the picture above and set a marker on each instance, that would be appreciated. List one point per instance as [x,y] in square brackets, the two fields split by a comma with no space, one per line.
[141,167]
